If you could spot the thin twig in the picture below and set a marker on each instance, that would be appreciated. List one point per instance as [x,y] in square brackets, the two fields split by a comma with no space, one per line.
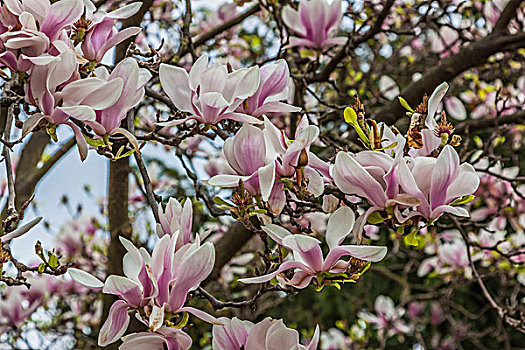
[150,195]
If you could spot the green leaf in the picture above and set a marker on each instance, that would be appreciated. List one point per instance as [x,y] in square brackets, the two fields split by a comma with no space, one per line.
[184,321]
[405,104]
[499,141]
[53,260]
[375,218]
[392,145]
[411,239]
[478,141]
[306,53]
[127,154]
[463,200]
[221,201]
[350,116]
[94,142]
[41,268]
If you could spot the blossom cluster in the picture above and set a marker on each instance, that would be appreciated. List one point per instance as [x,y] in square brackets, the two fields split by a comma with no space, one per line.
[53,49]
[316,213]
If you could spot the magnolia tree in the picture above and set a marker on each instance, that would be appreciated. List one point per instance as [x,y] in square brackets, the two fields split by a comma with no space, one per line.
[283,175]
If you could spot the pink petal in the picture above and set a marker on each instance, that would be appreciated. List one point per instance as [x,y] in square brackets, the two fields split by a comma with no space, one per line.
[287,265]
[445,172]
[116,324]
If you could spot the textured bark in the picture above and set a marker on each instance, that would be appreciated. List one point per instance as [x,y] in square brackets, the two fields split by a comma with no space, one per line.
[118,194]
[27,174]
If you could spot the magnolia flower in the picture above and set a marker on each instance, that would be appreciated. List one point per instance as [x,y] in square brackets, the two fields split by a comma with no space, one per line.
[268,334]
[176,220]
[231,334]
[275,85]
[224,13]
[316,24]
[40,25]
[372,175]
[259,158]
[134,79]
[436,183]
[445,42]
[164,338]
[307,257]
[452,256]
[246,154]
[99,33]
[388,318]
[78,99]
[14,308]
[22,230]
[160,282]
[430,139]
[293,157]
[209,94]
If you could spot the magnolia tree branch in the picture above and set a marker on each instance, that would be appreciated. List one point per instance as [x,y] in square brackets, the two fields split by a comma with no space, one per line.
[150,195]
[351,44]
[186,30]
[487,123]
[202,39]
[27,167]
[118,188]
[509,12]
[503,313]
[11,208]
[470,56]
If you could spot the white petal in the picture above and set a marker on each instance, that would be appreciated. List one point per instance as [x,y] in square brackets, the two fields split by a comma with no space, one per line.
[339,226]
[174,81]
[85,278]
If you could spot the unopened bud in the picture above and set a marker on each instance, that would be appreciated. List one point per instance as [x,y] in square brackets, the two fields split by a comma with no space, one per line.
[303,159]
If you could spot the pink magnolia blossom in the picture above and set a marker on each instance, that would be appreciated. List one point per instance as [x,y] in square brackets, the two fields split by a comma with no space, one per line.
[287,154]
[260,157]
[159,283]
[134,79]
[316,24]
[456,108]
[209,94]
[224,13]
[492,11]
[269,334]
[78,99]
[388,318]
[275,85]
[430,141]
[40,25]
[307,257]
[176,220]
[436,183]
[452,256]
[372,175]
[164,338]
[100,32]
[445,42]
[246,156]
